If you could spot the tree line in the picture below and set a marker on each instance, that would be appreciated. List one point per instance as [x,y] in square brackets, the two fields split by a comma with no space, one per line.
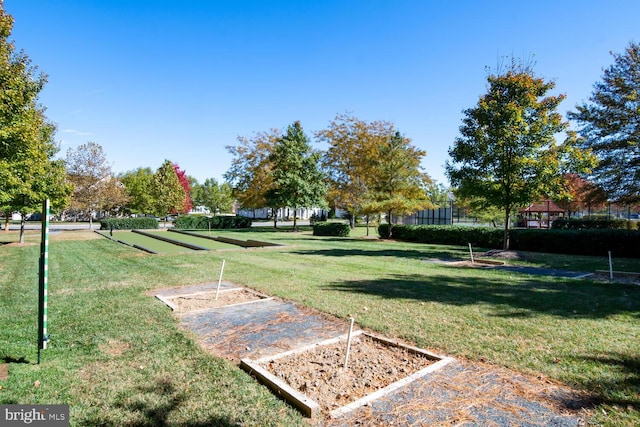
[506,156]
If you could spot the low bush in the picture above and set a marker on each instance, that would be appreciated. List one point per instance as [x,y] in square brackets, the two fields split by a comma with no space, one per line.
[582,224]
[331,229]
[621,242]
[128,223]
[203,222]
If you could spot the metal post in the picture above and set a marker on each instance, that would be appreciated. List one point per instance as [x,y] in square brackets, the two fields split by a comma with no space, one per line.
[43,279]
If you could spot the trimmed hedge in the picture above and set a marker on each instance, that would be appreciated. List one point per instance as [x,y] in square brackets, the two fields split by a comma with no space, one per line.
[582,224]
[144,223]
[622,243]
[203,222]
[339,229]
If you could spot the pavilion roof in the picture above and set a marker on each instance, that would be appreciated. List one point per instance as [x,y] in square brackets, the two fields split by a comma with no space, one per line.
[543,206]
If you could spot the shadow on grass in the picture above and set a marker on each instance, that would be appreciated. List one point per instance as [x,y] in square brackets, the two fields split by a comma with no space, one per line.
[155,403]
[622,390]
[564,298]
[444,253]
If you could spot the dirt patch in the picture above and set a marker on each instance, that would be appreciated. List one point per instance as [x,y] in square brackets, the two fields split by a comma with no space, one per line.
[4,371]
[115,347]
[204,300]
[501,254]
[319,373]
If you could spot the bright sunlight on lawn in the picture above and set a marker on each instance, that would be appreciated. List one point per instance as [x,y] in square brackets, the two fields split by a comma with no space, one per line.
[117,356]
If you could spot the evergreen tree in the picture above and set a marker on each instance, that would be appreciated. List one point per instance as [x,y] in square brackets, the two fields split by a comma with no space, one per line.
[297,178]
[610,126]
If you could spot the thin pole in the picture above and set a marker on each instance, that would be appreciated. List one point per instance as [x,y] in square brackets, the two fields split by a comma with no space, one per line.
[610,267]
[43,279]
[471,252]
[346,357]
[220,280]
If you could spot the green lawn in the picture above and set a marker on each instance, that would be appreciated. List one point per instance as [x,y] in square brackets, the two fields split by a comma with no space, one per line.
[118,357]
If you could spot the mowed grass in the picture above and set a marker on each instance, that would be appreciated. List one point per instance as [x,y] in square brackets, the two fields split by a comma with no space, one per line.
[118,357]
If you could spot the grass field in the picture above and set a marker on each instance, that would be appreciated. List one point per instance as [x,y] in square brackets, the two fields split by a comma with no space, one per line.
[118,357]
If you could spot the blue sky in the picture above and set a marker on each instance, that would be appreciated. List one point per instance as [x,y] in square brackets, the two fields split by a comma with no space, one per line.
[151,80]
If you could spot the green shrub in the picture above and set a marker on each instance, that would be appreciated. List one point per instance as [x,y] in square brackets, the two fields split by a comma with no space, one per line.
[590,223]
[331,229]
[128,223]
[203,222]
[621,242]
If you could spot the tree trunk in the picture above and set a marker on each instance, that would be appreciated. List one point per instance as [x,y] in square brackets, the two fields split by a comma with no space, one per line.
[275,217]
[6,221]
[505,241]
[390,232]
[295,223]
[22,224]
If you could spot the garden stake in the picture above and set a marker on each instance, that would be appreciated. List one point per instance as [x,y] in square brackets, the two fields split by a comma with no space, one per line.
[346,357]
[471,252]
[220,280]
[610,267]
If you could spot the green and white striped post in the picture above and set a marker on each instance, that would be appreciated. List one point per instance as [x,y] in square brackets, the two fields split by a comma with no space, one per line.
[42,286]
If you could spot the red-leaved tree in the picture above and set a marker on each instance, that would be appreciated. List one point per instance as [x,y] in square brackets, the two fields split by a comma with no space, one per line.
[184,182]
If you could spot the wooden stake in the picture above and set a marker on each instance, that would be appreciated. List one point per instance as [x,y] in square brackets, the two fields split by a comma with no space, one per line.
[610,267]
[346,357]
[220,280]
[471,252]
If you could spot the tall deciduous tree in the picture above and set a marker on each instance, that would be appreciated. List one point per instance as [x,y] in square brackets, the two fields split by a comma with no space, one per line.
[507,155]
[297,178]
[186,186]
[28,172]
[398,183]
[610,126]
[138,185]
[167,192]
[349,160]
[216,197]
[94,186]
[250,173]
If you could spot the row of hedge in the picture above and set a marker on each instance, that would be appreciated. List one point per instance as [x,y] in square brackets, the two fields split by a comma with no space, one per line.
[144,223]
[331,229]
[583,224]
[622,243]
[203,222]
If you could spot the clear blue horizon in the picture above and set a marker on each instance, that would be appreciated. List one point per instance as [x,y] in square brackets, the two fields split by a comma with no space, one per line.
[151,80]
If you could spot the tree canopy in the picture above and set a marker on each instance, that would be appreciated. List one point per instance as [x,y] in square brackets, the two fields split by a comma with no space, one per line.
[348,162]
[28,172]
[183,179]
[506,155]
[214,196]
[250,171]
[297,178]
[138,185]
[168,193]
[398,184]
[95,188]
[610,126]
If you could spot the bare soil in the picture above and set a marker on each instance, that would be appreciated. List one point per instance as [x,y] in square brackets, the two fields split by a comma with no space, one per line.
[204,300]
[319,373]
[4,371]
